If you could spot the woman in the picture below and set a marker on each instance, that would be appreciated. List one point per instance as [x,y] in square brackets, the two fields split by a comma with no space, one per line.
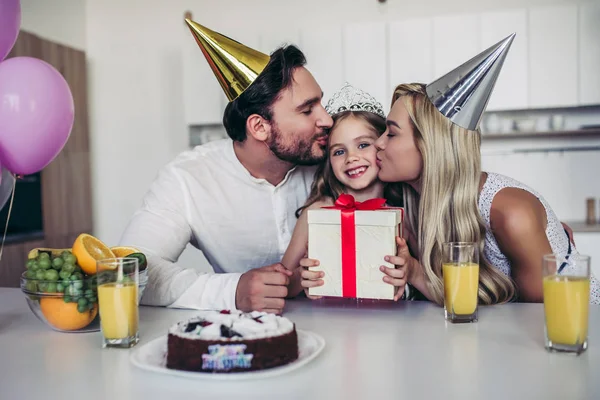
[448,198]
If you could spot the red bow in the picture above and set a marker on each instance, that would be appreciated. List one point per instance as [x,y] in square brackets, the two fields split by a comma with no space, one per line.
[348,206]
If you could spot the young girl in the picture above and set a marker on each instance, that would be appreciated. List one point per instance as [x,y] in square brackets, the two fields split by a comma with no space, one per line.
[358,121]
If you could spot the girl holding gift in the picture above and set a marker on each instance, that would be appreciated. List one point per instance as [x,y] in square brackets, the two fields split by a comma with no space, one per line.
[432,145]
[350,167]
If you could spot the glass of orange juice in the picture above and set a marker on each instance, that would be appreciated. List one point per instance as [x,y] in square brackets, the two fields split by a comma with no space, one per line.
[566,302]
[460,270]
[118,282]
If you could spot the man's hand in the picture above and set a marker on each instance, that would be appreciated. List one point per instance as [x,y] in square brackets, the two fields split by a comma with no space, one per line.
[263,289]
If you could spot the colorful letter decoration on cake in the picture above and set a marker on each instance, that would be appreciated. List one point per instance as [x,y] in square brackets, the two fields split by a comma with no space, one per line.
[225,357]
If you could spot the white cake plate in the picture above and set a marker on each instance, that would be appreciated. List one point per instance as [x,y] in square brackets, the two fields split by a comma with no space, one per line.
[152,357]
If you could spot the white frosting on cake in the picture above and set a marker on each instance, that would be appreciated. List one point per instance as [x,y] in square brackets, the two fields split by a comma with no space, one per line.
[245,324]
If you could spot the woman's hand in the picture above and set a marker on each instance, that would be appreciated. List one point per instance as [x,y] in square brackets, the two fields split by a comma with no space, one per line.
[404,262]
[310,278]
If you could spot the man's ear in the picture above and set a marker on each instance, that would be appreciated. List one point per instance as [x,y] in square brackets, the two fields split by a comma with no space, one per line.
[258,127]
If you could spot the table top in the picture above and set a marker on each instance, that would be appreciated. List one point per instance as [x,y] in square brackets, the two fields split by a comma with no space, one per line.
[374,350]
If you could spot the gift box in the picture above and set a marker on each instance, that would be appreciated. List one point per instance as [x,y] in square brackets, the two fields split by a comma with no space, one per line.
[350,240]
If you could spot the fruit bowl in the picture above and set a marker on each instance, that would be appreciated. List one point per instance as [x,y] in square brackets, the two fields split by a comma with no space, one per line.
[74,309]
[59,292]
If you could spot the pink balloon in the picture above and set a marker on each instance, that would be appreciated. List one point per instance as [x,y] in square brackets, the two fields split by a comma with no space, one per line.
[36,114]
[10,22]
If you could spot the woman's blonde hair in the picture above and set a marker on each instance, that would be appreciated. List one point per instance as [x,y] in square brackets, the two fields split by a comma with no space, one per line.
[326,185]
[446,209]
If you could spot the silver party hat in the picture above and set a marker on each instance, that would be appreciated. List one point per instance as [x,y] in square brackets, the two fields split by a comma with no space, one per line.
[463,93]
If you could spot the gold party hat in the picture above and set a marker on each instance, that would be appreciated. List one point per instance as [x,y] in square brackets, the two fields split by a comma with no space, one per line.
[236,66]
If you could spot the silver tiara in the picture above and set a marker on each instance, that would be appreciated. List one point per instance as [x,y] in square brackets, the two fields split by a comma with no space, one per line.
[349,98]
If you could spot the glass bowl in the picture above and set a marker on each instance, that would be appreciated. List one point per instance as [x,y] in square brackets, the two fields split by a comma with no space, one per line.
[68,306]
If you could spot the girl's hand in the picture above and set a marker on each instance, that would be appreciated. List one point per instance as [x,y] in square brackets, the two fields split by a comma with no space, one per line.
[403,261]
[310,278]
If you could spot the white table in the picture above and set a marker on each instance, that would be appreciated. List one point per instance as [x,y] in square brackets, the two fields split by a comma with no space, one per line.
[373,351]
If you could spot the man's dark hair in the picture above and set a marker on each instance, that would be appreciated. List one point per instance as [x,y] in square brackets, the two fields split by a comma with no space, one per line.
[264,91]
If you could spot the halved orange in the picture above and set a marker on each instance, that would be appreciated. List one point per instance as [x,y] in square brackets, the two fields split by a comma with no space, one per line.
[123,251]
[88,250]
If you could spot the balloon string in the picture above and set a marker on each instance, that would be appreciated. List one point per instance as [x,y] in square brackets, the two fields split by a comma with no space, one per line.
[12,197]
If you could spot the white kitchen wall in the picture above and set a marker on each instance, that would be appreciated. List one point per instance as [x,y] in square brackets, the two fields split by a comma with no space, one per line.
[62,21]
[136,96]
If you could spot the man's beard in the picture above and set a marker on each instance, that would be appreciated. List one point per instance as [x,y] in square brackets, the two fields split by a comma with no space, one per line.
[299,152]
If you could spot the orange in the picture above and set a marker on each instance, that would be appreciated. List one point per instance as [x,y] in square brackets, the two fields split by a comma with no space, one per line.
[88,250]
[65,316]
[123,251]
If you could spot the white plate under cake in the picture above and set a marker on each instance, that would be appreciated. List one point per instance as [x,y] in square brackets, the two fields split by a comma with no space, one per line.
[231,341]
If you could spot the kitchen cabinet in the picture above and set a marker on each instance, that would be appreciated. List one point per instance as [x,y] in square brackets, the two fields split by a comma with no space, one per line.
[323,50]
[589,53]
[456,39]
[588,243]
[512,87]
[410,50]
[365,59]
[553,56]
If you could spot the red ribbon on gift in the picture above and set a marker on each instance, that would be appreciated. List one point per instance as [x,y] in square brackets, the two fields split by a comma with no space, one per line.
[348,206]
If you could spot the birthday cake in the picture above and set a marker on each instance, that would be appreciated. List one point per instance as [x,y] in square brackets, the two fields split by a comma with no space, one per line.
[232,341]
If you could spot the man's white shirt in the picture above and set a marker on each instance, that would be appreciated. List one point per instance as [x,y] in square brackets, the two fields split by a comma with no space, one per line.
[206,197]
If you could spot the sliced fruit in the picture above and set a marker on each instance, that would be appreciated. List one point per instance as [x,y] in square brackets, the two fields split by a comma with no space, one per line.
[123,251]
[65,316]
[88,250]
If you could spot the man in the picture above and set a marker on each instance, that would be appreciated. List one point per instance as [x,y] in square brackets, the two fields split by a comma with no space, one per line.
[235,199]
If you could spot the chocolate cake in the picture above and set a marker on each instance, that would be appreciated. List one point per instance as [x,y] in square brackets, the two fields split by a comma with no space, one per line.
[232,341]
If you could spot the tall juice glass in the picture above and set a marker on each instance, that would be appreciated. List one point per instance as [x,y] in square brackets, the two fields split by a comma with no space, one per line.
[460,269]
[566,302]
[118,282]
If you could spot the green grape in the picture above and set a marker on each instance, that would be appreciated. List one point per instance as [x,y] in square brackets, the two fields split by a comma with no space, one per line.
[30,274]
[67,299]
[57,263]
[81,308]
[64,275]
[31,286]
[65,254]
[51,288]
[70,259]
[93,299]
[30,263]
[44,263]
[78,268]
[78,275]
[78,285]
[51,275]
[82,301]
[60,288]
[35,266]
[43,256]
[43,287]
[68,267]
[88,293]
[40,274]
